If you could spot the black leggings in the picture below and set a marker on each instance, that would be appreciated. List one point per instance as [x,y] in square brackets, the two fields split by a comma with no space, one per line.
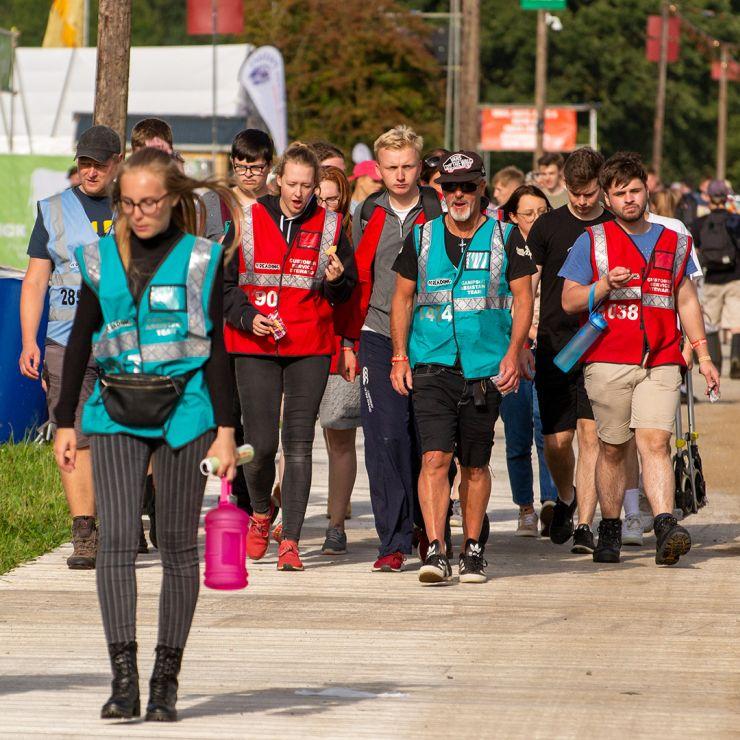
[119,469]
[262,384]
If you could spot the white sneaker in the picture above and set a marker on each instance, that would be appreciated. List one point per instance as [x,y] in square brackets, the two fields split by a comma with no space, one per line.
[527,525]
[632,530]
[456,516]
[646,513]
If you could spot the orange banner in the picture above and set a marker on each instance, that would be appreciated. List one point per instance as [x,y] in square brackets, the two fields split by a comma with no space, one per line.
[514,129]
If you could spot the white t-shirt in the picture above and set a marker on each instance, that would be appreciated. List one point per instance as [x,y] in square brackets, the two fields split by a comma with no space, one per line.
[679,227]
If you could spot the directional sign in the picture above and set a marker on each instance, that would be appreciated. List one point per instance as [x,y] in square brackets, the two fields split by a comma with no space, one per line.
[543,4]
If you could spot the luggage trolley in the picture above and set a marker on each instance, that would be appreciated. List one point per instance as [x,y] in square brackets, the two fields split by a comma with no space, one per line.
[691,491]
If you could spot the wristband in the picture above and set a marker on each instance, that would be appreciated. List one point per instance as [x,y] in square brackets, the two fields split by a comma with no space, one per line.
[704,358]
[695,344]
[348,349]
[399,358]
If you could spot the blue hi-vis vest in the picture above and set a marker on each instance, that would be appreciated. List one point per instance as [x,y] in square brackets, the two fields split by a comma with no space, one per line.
[168,333]
[68,227]
[462,311]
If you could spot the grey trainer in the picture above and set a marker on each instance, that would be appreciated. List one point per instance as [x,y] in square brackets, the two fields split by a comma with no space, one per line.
[335,542]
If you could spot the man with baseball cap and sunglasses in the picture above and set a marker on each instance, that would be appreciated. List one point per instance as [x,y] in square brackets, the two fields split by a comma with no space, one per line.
[65,221]
[457,282]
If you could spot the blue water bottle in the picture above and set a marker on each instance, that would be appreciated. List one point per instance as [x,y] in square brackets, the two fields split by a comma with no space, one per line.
[567,358]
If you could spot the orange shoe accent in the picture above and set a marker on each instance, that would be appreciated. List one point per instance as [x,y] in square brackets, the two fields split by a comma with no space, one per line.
[258,537]
[288,558]
[277,533]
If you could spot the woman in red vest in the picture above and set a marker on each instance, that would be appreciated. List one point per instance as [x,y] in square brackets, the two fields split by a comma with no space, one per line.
[295,264]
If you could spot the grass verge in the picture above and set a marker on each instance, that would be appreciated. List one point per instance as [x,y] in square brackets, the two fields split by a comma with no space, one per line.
[33,511]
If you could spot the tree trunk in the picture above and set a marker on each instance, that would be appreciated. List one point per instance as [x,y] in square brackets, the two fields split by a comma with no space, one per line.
[111,79]
[469,93]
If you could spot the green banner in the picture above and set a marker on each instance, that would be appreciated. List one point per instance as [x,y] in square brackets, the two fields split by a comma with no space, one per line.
[6,62]
[543,4]
[24,180]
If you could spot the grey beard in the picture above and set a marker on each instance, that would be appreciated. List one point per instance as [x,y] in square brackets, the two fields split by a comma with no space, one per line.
[460,217]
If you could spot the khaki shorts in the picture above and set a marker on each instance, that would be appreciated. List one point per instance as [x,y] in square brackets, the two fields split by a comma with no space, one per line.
[628,397]
[721,304]
[52,374]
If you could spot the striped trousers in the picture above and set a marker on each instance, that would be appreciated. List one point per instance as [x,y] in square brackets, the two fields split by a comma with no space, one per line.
[120,465]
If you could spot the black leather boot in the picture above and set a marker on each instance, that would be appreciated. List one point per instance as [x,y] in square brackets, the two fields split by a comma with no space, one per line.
[124,700]
[163,685]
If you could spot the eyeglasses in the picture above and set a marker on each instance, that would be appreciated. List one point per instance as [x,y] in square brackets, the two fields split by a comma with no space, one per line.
[249,169]
[531,215]
[433,161]
[147,206]
[332,201]
[466,187]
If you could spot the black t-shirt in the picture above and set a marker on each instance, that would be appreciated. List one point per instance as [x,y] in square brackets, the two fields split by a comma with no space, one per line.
[97,209]
[519,262]
[549,241]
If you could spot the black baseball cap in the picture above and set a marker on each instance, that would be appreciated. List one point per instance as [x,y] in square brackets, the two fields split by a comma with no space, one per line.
[462,166]
[99,143]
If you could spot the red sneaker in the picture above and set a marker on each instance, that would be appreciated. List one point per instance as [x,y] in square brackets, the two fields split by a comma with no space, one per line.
[277,533]
[258,537]
[288,558]
[392,563]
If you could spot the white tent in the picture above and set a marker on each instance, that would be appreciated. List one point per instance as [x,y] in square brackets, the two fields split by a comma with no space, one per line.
[54,84]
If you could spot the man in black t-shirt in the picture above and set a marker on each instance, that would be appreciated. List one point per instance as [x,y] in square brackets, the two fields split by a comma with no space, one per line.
[564,406]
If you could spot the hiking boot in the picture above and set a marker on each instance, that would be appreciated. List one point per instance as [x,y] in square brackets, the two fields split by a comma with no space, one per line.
[671,540]
[546,512]
[84,542]
[583,540]
[472,566]
[288,558]
[335,542]
[561,527]
[258,536]
[436,569]
[610,541]
[526,524]
[391,563]
[163,685]
[124,702]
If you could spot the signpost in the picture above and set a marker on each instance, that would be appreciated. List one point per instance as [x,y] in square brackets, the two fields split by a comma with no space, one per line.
[543,4]
[514,129]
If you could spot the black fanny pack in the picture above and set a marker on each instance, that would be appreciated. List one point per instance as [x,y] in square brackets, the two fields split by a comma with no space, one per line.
[142,399]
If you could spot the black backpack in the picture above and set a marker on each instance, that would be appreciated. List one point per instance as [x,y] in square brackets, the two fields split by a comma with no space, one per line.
[717,247]
[429,204]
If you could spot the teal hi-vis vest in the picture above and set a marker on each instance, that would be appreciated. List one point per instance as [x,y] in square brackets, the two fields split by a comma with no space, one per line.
[68,227]
[167,333]
[462,312]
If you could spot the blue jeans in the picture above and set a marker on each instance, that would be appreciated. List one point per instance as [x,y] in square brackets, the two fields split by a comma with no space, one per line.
[521,415]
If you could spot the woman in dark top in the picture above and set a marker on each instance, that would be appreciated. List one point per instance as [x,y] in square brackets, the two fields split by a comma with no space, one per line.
[151,309]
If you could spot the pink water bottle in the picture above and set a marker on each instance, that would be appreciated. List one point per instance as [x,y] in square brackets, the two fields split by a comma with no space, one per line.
[226,544]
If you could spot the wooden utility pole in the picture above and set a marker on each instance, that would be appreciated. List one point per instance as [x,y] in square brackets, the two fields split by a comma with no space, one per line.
[659,121]
[540,86]
[111,78]
[724,58]
[470,82]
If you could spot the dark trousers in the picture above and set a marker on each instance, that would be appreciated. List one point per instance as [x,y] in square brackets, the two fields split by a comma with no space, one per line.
[392,455]
[299,383]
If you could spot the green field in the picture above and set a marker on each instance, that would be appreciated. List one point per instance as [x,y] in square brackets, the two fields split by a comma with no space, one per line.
[33,511]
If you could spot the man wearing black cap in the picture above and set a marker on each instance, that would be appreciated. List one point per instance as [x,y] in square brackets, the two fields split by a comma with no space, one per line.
[65,221]
[457,281]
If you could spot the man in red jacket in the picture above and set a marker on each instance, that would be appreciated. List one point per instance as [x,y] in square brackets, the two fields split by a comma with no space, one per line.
[633,369]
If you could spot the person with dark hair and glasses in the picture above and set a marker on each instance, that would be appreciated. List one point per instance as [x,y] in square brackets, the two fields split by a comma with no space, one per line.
[430,169]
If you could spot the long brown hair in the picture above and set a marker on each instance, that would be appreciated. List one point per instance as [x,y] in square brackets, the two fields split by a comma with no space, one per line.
[189,214]
[335,175]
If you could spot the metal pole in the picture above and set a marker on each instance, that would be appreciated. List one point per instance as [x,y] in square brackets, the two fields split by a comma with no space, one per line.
[24,109]
[659,121]
[593,132]
[470,77]
[456,91]
[86,24]
[214,81]
[722,114]
[540,86]
[13,44]
[449,80]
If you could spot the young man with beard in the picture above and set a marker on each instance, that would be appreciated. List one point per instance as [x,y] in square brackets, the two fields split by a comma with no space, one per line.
[452,310]
[638,271]
[564,406]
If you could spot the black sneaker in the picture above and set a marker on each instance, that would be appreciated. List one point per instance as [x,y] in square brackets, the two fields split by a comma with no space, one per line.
[671,540]
[610,541]
[436,568]
[335,542]
[472,566]
[561,527]
[583,540]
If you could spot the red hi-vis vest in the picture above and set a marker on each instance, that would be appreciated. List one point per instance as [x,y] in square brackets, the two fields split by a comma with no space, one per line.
[641,317]
[287,278]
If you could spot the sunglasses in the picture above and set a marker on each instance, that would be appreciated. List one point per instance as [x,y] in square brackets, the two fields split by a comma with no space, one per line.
[465,187]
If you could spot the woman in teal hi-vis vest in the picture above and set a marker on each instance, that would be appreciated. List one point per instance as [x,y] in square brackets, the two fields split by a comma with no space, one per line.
[151,310]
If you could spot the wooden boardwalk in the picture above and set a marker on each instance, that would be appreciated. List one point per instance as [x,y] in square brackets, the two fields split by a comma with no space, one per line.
[552,646]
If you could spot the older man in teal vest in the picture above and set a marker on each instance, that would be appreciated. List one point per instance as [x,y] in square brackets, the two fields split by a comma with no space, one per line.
[459,280]
[65,221]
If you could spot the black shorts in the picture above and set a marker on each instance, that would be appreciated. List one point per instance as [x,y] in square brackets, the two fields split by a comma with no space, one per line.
[448,419]
[562,397]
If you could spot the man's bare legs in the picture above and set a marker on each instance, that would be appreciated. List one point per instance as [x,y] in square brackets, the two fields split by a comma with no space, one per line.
[611,474]
[474,495]
[657,471]
[561,462]
[588,452]
[434,492]
[78,486]
[340,446]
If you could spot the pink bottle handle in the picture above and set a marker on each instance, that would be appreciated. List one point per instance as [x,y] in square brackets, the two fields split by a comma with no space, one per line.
[225,491]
